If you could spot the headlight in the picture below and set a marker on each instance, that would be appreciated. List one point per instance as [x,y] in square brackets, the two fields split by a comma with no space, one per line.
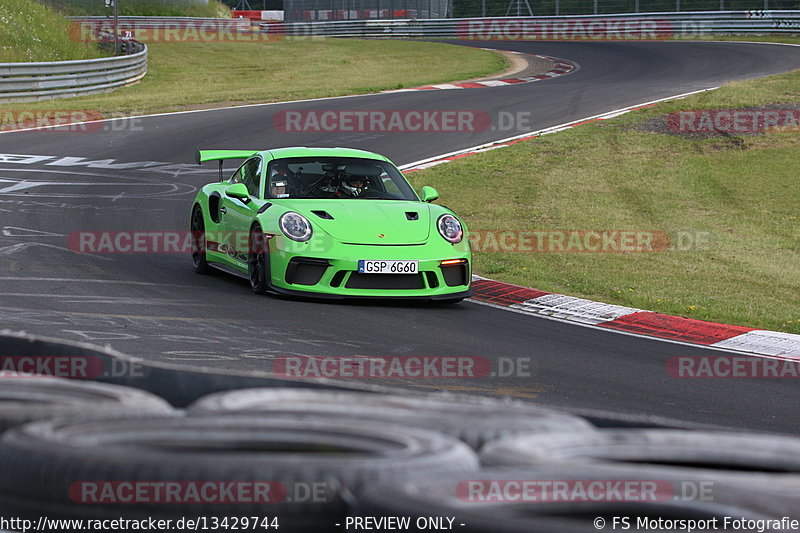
[295,226]
[450,228]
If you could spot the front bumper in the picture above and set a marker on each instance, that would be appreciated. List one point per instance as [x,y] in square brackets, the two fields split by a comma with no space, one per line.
[331,271]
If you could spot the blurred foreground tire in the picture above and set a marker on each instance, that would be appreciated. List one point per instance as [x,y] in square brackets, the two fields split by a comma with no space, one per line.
[301,470]
[721,451]
[526,500]
[28,398]
[473,420]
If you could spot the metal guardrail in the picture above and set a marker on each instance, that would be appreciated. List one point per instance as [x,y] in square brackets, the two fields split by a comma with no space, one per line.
[586,27]
[25,82]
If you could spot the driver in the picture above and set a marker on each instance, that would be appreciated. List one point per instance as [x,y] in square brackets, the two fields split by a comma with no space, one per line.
[353,185]
[279,181]
[279,189]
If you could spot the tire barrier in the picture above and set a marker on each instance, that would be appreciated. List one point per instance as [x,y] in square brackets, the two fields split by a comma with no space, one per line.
[317,456]
[29,398]
[473,420]
[86,469]
[570,499]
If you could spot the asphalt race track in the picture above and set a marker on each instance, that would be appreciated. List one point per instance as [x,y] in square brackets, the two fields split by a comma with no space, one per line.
[154,306]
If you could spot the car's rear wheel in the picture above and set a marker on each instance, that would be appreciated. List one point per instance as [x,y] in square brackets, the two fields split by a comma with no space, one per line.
[258,261]
[198,227]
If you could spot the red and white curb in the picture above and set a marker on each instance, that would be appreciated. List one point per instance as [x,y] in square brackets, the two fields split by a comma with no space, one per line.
[618,318]
[561,67]
[636,321]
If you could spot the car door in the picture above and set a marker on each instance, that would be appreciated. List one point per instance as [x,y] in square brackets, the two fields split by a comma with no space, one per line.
[237,214]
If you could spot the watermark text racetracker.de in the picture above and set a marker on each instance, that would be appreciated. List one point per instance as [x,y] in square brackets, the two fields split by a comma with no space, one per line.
[67,121]
[731,367]
[69,366]
[531,491]
[203,31]
[734,121]
[519,241]
[564,29]
[383,121]
[134,492]
[401,367]
[588,241]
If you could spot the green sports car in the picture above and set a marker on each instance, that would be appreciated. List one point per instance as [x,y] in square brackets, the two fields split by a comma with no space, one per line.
[328,222]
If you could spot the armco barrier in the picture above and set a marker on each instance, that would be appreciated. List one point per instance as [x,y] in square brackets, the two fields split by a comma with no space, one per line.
[618,26]
[24,82]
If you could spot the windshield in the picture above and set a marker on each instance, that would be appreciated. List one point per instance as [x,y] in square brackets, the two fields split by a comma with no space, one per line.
[336,178]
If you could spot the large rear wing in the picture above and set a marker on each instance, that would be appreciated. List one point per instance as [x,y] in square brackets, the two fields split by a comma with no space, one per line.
[220,155]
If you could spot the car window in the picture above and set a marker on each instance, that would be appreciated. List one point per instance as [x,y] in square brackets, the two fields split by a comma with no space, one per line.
[236,177]
[336,177]
[251,172]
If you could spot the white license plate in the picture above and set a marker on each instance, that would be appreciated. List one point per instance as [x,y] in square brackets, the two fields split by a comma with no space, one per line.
[387,267]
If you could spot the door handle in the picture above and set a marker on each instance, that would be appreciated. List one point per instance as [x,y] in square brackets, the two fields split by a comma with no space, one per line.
[223,209]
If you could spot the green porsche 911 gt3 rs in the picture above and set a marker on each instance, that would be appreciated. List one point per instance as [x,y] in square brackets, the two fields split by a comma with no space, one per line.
[328,222]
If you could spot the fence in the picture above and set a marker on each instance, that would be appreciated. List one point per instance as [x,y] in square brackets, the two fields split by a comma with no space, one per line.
[23,82]
[505,8]
[316,10]
[617,26]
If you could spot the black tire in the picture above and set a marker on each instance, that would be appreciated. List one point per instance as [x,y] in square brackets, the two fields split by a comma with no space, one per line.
[32,398]
[473,420]
[258,261]
[721,451]
[469,499]
[41,462]
[198,229]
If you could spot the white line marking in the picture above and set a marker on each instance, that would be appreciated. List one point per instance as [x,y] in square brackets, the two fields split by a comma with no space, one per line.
[16,231]
[21,246]
[551,129]
[170,113]
[85,298]
[86,280]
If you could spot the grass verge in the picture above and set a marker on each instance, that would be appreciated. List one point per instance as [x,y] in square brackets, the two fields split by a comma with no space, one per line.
[741,192]
[190,75]
[32,32]
[149,8]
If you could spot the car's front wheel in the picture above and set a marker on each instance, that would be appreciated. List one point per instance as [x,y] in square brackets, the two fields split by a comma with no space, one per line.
[258,261]
[198,229]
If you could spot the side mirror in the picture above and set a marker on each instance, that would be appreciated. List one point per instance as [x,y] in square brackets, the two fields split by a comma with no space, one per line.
[238,191]
[429,194]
